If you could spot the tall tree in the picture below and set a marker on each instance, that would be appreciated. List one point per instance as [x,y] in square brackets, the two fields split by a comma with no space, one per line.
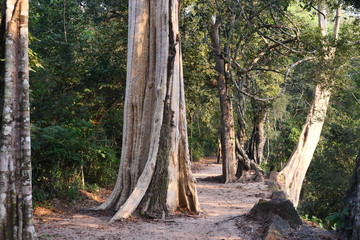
[292,176]
[227,131]
[257,71]
[154,175]
[15,166]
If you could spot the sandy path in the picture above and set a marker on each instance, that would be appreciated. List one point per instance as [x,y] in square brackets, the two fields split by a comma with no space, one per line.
[220,203]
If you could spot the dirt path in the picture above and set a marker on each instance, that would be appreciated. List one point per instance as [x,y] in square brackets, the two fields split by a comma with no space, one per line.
[221,205]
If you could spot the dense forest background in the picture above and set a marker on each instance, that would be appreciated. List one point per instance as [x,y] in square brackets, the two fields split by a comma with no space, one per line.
[78,61]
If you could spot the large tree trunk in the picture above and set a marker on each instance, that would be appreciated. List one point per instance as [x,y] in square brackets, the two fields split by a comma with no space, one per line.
[292,176]
[15,163]
[227,119]
[154,175]
[352,203]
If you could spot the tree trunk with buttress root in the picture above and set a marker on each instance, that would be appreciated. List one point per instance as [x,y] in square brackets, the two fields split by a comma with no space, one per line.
[15,163]
[154,176]
[292,176]
[227,131]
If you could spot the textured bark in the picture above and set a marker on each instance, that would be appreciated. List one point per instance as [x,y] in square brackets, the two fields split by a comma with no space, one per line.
[352,202]
[15,163]
[227,119]
[154,175]
[245,164]
[292,176]
[258,138]
[227,133]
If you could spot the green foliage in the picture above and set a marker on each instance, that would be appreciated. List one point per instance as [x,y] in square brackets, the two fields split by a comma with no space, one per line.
[78,88]
[201,93]
[61,153]
[78,57]
[34,62]
[334,221]
[93,188]
[314,219]
[333,164]
[285,120]
[337,220]
[72,191]
[46,236]
[294,134]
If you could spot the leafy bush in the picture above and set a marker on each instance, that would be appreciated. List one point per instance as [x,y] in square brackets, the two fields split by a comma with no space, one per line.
[337,220]
[313,219]
[63,155]
[334,221]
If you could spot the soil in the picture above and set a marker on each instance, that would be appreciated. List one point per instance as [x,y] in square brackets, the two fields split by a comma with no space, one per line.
[223,209]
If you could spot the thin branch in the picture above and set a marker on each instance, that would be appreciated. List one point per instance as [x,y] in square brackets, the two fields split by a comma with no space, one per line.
[263,52]
[283,86]
[283,43]
[253,96]
[282,28]
[297,30]
[294,65]
[266,70]
[355,98]
[317,10]
[64,18]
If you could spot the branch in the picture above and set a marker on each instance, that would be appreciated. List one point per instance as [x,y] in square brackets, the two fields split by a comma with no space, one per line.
[283,88]
[296,29]
[253,96]
[320,12]
[294,65]
[249,163]
[262,53]
[283,43]
[355,97]
[266,70]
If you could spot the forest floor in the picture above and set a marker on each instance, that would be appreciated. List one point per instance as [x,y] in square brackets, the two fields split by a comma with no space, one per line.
[223,207]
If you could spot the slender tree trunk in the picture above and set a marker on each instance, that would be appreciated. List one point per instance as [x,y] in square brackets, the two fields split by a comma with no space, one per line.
[292,176]
[227,133]
[241,138]
[15,163]
[227,119]
[154,175]
[191,137]
[219,151]
[258,138]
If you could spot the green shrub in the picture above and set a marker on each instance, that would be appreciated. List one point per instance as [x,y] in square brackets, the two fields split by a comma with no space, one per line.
[63,155]
[314,219]
[337,220]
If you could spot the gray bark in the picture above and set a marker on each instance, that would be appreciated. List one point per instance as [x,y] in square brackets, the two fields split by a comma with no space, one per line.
[352,203]
[15,163]
[154,175]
